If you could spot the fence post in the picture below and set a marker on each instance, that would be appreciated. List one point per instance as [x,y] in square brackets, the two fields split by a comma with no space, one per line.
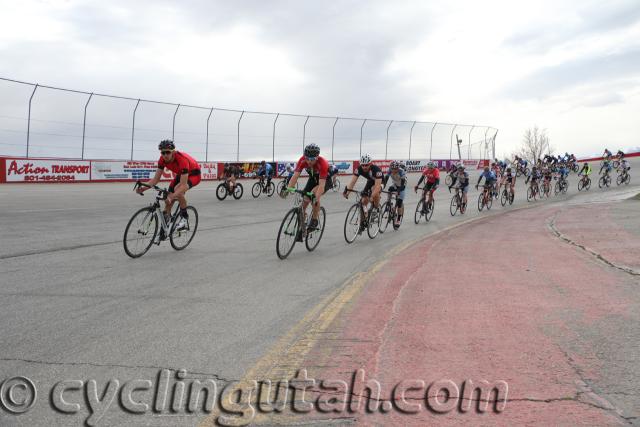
[411,138]
[304,133]
[29,118]
[206,150]
[485,141]
[333,137]
[84,123]
[431,148]
[362,127]
[451,145]
[386,144]
[494,144]
[173,130]
[273,141]
[238,149]
[133,127]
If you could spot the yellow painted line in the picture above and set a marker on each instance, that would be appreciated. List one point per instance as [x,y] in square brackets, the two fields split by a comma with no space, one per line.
[284,359]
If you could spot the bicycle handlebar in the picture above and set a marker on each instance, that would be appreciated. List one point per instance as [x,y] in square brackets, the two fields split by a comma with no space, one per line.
[309,194]
[163,192]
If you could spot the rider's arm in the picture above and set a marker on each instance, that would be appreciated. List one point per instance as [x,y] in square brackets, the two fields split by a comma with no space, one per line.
[351,183]
[377,186]
[420,180]
[294,179]
[479,179]
[403,183]
[153,181]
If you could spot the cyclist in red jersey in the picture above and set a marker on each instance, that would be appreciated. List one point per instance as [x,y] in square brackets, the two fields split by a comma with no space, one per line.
[432,176]
[187,171]
[318,169]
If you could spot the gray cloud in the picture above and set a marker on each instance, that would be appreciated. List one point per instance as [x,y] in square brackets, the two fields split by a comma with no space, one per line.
[554,80]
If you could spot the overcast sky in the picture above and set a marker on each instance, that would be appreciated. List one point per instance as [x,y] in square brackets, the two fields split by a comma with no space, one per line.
[572,67]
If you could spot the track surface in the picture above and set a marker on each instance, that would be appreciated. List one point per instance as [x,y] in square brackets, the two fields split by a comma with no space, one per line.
[74,306]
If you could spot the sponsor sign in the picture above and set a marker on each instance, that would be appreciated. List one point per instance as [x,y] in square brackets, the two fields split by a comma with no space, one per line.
[282,168]
[29,170]
[209,170]
[344,168]
[125,170]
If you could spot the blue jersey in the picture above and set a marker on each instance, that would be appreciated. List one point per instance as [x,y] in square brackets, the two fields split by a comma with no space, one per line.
[267,169]
[488,176]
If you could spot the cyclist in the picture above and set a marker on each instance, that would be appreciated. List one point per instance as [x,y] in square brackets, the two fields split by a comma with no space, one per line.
[462,178]
[563,172]
[373,174]
[546,176]
[623,167]
[289,171]
[266,170]
[606,165]
[399,181]
[606,154]
[586,170]
[620,155]
[402,165]
[509,178]
[318,169]
[187,172]
[231,174]
[431,176]
[535,177]
[489,180]
[333,173]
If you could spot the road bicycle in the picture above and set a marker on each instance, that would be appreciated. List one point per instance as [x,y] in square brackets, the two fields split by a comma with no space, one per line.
[424,208]
[546,188]
[148,226]
[485,198]
[584,183]
[389,211]
[623,178]
[507,195]
[262,187]
[605,180]
[356,221]
[533,191]
[522,170]
[457,202]
[281,188]
[562,185]
[295,226]
[336,185]
[224,190]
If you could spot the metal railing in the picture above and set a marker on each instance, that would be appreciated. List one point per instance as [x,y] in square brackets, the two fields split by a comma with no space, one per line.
[417,136]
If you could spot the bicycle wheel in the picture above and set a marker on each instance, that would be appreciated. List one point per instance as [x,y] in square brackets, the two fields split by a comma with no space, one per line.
[280,188]
[580,185]
[565,187]
[511,197]
[221,192]
[602,182]
[453,207]
[529,194]
[608,182]
[238,191]
[336,186]
[628,180]
[271,189]
[518,173]
[386,217]
[616,163]
[352,223]
[419,209]
[480,201]
[140,232]
[373,222]
[448,180]
[556,188]
[504,197]
[463,206]
[588,184]
[430,207]
[287,233]
[256,190]
[489,203]
[619,180]
[314,236]
[180,239]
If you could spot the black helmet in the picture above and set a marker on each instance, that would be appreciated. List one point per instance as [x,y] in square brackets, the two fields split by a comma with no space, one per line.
[263,162]
[311,150]
[226,164]
[166,144]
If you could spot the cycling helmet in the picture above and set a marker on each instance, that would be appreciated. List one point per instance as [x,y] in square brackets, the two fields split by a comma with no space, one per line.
[166,144]
[509,170]
[311,151]
[431,165]
[226,165]
[365,159]
[394,165]
[460,167]
[262,162]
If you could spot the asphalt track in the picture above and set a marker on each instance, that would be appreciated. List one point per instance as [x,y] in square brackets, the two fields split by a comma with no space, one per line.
[75,307]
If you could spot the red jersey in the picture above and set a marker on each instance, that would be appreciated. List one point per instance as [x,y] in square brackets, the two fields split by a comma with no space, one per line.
[321,168]
[431,174]
[182,163]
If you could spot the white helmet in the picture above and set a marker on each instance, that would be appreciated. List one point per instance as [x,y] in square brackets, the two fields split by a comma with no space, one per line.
[365,159]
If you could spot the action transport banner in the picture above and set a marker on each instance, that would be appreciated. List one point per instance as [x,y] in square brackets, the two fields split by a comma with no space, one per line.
[30,170]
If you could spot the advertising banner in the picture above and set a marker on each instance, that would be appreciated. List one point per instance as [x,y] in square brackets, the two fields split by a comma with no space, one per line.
[29,170]
[344,167]
[209,171]
[125,170]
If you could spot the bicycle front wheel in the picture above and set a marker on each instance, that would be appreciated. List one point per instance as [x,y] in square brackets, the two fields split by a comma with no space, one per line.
[140,232]
[238,191]
[314,236]
[221,192]
[271,188]
[480,202]
[255,190]
[504,197]
[181,237]
[373,222]
[453,207]
[386,217]
[419,210]
[430,207]
[289,229]
[352,223]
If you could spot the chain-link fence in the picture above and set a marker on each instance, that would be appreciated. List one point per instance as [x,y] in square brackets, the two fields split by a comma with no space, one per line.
[45,121]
